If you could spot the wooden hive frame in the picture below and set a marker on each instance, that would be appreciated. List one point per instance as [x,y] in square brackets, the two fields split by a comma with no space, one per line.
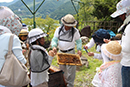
[68,59]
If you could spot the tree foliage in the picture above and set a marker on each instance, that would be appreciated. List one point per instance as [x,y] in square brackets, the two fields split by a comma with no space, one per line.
[96,9]
[48,25]
[103,9]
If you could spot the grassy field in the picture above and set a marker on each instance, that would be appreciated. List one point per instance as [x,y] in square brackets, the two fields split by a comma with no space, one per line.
[84,75]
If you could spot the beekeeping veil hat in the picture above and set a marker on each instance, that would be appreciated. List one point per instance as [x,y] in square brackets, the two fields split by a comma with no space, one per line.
[35,34]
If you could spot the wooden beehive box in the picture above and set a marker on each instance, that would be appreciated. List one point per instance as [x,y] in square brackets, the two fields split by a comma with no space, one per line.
[68,59]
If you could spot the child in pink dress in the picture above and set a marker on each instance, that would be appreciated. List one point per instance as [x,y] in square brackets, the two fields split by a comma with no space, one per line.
[109,73]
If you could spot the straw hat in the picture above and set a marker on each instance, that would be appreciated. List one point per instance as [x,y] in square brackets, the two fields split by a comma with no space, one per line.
[69,20]
[122,7]
[112,50]
[23,32]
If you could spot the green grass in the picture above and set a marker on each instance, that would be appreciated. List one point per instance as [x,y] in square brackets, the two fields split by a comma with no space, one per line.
[84,75]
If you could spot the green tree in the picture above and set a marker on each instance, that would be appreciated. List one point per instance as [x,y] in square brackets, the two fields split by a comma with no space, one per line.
[85,10]
[48,25]
[104,8]
[28,22]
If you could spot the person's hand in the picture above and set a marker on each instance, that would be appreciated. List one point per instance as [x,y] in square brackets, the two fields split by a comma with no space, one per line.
[27,46]
[23,50]
[79,53]
[55,50]
[51,53]
[106,40]
[86,47]
[90,54]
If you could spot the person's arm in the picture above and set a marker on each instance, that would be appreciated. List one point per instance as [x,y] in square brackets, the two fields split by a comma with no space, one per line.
[90,44]
[125,40]
[97,56]
[51,56]
[79,46]
[17,50]
[78,42]
[54,42]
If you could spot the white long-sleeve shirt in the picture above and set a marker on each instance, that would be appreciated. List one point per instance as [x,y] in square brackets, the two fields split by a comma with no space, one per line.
[125,43]
[90,45]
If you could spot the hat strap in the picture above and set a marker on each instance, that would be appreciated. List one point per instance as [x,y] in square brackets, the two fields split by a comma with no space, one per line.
[68,22]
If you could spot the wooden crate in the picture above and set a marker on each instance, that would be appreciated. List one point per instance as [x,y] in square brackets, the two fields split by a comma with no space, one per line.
[56,78]
[68,59]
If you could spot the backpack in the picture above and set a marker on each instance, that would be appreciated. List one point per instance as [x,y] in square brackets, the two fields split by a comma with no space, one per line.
[123,28]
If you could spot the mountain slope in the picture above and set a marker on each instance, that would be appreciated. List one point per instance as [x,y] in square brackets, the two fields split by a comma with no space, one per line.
[7,3]
[55,9]
[66,8]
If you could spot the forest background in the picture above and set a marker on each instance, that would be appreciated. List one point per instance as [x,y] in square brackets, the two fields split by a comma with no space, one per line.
[48,18]
[49,14]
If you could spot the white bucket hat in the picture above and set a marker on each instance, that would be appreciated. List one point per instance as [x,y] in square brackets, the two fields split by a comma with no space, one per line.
[35,34]
[112,50]
[69,20]
[122,7]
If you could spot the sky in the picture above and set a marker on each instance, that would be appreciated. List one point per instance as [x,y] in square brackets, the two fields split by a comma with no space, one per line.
[6,0]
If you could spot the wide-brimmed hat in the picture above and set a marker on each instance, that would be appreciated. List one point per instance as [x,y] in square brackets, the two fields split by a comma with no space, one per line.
[99,35]
[35,34]
[122,7]
[69,20]
[112,50]
[23,32]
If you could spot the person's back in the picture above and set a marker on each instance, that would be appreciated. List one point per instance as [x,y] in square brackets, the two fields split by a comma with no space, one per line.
[7,27]
[4,38]
[109,73]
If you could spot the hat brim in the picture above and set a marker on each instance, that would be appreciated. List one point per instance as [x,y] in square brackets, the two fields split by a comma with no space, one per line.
[33,39]
[119,12]
[96,39]
[108,54]
[70,25]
